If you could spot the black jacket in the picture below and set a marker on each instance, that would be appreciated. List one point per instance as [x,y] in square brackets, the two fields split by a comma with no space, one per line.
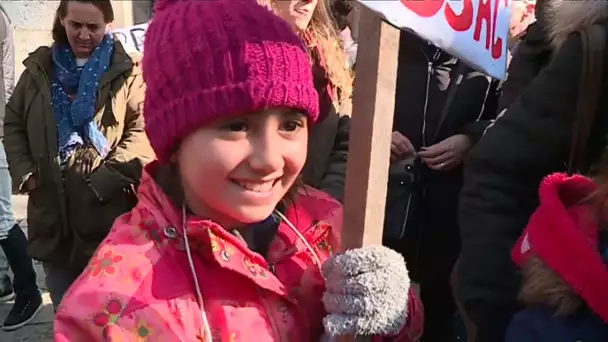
[325,167]
[533,53]
[424,74]
[530,141]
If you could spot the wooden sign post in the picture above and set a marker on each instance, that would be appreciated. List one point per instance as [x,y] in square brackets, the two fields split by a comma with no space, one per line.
[370,131]
[370,134]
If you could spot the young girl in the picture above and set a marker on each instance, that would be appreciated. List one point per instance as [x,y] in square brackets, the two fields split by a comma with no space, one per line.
[563,255]
[223,245]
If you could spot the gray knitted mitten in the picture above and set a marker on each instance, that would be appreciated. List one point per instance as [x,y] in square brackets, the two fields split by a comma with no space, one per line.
[367,292]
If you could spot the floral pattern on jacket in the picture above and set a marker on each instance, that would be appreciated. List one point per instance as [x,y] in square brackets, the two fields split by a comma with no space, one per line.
[139,286]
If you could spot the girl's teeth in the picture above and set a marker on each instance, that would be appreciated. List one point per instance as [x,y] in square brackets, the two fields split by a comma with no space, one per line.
[257,187]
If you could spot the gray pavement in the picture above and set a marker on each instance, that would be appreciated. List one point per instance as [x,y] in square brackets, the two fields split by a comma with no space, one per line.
[41,329]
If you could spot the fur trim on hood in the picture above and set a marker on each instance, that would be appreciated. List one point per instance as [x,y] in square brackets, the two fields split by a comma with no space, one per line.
[565,17]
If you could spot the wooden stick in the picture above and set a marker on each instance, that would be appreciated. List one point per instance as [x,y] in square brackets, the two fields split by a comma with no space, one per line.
[370,131]
[370,135]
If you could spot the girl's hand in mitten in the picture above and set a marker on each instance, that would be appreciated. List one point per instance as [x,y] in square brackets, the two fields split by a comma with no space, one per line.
[366,292]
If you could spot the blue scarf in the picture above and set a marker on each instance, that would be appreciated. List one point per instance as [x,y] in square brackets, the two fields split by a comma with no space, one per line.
[75,124]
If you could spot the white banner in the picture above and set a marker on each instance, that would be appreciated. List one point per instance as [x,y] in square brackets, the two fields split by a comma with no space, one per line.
[476,31]
[132,38]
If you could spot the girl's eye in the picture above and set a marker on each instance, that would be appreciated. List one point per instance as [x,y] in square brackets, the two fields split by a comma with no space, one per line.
[292,125]
[239,126]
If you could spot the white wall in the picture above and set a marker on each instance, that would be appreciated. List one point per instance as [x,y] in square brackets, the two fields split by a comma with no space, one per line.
[32,22]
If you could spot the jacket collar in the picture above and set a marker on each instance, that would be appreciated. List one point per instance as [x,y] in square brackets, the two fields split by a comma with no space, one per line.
[304,212]
[164,222]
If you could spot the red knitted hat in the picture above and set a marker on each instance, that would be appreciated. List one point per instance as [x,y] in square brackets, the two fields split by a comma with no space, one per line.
[563,233]
[213,59]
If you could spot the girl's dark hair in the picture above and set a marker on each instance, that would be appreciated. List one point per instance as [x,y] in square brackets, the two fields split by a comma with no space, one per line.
[59,35]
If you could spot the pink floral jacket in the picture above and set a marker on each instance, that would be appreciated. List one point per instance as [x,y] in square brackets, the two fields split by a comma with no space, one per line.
[139,285]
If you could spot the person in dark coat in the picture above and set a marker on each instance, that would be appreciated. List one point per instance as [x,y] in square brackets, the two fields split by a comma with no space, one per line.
[430,243]
[531,140]
[562,256]
[531,53]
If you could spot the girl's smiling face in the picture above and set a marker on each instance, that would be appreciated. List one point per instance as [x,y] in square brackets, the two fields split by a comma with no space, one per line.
[235,171]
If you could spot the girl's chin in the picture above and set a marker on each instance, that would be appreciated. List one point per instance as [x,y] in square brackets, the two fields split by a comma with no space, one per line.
[250,215]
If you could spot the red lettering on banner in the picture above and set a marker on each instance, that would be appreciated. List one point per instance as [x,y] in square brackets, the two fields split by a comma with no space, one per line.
[484,12]
[424,8]
[487,12]
[497,47]
[460,22]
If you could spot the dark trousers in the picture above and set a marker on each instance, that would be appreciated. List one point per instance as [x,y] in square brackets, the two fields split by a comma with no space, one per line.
[15,248]
[58,280]
[430,258]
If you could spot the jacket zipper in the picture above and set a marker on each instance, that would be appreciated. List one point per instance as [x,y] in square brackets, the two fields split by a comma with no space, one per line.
[429,73]
[272,268]
[278,336]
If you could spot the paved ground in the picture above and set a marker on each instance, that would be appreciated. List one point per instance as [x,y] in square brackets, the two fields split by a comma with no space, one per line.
[40,330]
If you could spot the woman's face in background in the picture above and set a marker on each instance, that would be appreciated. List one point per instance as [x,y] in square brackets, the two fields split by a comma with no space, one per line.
[85,27]
[297,13]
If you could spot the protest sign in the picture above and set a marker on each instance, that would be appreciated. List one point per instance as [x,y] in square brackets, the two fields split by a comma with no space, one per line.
[132,38]
[476,31]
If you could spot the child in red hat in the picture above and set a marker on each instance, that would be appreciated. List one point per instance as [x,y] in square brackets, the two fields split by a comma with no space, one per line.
[564,267]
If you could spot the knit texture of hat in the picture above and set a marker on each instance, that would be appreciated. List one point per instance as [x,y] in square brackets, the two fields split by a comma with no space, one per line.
[213,59]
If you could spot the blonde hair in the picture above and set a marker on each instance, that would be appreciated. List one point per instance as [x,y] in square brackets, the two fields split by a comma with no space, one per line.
[324,38]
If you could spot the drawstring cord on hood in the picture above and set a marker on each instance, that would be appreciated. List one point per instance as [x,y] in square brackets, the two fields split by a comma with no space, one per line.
[197,287]
[199,295]
[301,237]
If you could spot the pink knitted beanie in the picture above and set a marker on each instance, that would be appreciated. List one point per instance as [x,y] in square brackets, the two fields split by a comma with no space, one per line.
[211,59]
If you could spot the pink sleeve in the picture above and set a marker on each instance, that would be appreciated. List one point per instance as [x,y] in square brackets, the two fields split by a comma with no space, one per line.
[415,322]
[413,329]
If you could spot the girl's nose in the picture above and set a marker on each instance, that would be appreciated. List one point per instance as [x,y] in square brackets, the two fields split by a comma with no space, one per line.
[267,155]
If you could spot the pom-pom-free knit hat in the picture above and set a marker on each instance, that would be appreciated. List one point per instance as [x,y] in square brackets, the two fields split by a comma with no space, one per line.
[211,59]
[564,233]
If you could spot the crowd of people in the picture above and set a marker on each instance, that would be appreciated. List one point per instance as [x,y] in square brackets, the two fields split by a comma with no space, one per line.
[195,192]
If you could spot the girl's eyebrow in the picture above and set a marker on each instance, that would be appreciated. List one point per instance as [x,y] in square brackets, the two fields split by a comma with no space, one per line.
[292,112]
